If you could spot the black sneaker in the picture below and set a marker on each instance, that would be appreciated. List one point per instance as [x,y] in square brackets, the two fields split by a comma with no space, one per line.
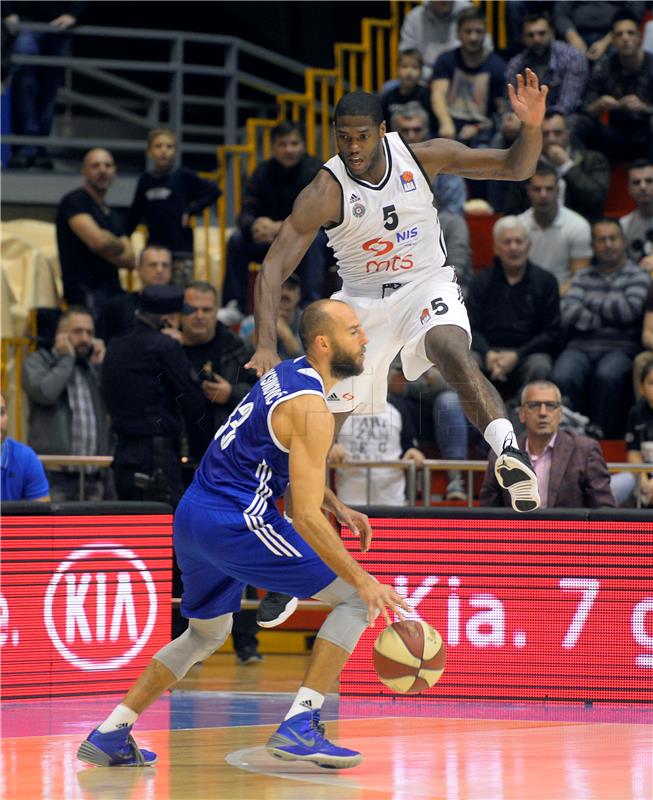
[275,608]
[249,657]
[515,473]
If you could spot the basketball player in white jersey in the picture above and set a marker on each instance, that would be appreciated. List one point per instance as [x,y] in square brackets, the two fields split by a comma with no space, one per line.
[375,202]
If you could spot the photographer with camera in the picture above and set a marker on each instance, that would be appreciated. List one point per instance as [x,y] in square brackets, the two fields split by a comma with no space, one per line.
[66,412]
[149,386]
[217,355]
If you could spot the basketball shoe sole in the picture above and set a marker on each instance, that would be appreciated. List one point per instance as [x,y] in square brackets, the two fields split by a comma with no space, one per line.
[515,474]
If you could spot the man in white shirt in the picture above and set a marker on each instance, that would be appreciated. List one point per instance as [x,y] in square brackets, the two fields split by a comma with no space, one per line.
[561,240]
[638,225]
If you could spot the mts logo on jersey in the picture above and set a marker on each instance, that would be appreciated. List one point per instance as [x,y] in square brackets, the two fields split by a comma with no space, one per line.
[100,607]
[383,247]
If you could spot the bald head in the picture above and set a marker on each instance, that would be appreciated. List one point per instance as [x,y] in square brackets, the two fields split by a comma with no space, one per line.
[332,335]
[318,319]
[99,170]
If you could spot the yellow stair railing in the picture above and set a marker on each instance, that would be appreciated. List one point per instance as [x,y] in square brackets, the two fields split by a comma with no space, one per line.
[365,65]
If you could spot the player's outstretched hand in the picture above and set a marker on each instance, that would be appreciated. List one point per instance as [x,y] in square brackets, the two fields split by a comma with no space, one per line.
[263,360]
[380,597]
[528,101]
[358,523]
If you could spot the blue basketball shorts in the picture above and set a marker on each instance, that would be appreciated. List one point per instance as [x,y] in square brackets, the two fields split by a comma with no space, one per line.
[220,550]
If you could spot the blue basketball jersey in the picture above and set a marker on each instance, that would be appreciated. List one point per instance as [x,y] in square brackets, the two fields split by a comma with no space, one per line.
[245,465]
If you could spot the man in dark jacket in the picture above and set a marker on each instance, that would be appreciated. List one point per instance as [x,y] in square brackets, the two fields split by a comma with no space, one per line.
[217,356]
[66,412]
[571,471]
[149,386]
[514,312]
[583,175]
[268,199]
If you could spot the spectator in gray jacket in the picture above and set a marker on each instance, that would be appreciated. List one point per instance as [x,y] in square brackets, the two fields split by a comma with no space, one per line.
[602,314]
[66,412]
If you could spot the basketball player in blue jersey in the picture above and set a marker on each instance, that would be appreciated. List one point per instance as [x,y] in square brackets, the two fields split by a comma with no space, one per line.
[375,202]
[228,533]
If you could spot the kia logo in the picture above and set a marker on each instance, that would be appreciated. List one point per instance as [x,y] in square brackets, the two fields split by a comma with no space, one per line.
[101,601]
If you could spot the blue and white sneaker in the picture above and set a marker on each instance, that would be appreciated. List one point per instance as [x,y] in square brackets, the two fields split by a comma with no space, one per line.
[114,749]
[301,738]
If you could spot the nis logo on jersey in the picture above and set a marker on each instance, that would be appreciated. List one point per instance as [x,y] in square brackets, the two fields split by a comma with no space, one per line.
[383,247]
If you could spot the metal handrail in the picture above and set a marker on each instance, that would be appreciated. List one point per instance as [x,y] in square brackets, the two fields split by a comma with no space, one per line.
[99,462]
[409,467]
[175,65]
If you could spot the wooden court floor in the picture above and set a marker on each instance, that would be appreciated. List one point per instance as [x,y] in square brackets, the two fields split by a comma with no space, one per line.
[209,738]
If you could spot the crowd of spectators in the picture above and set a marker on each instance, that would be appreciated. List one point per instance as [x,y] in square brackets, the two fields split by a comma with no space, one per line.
[558,319]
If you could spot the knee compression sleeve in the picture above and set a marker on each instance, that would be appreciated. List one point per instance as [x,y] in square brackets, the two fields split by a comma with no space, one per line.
[345,624]
[197,642]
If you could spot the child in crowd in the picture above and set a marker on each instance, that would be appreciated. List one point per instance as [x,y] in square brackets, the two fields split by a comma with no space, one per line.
[409,90]
[166,197]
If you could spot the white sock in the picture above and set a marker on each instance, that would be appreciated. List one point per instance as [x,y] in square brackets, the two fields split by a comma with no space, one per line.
[305,700]
[120,717]
[499,434]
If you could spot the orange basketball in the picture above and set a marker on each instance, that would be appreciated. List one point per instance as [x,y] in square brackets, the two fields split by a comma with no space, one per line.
[409,657]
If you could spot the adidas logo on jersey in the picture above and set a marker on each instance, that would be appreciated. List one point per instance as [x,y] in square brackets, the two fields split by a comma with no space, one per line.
[332,397]
[353,198]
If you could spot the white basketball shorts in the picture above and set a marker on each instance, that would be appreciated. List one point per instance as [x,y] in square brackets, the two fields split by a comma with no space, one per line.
[395,323]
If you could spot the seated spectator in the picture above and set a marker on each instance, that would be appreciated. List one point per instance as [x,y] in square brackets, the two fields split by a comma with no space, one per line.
[621,86]
[639,439]
[381,437]
[165,200]
[431,28]
[409,91]
[647,342]
[34,87]
[288,342]
[557,64]
[583,175]
[66,412]
[217,356]
[571,471]
[560,238]
[150,390]
[602,318]
[467,84]
[638,225]
[450,195]
[268,199]
[436,415]
[514,313]
[154,269]
[90,238]
[588,26]
[22,474]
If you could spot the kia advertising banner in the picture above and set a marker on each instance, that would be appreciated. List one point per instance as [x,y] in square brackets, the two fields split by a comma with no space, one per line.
[528,609]
[84,601]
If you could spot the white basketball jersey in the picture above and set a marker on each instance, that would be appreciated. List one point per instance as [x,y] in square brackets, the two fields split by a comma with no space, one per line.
[390,231]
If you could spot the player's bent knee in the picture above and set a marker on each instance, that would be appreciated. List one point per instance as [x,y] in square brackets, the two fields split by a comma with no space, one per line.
[345,624]
[202,638]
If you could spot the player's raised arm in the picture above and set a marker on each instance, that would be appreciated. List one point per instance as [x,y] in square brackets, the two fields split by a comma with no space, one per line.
[516,163]
[318,204]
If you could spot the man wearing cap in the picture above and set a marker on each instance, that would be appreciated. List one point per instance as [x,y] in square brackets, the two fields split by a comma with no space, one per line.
[149,386]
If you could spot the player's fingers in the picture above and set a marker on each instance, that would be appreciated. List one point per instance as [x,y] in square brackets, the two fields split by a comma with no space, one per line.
[384,612]
[544,90]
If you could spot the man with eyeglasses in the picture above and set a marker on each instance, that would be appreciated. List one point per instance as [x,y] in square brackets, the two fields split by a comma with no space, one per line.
[571,471]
